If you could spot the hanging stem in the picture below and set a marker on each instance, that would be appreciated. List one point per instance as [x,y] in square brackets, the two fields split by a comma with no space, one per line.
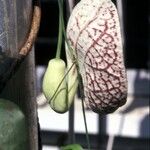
[83,110]
[86,129]
[59,44]
[63,27]
[60,2]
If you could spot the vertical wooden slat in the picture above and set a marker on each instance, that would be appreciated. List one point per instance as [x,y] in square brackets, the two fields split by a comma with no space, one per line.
[71,134]
[20,89]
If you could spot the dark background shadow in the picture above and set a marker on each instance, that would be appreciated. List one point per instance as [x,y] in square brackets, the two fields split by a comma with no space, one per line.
[141,92]
[145,126]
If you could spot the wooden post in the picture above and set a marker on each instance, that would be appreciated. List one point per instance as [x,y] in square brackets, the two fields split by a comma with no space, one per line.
[15,20]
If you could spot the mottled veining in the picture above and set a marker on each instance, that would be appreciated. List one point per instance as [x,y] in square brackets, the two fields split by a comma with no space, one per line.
[94,33]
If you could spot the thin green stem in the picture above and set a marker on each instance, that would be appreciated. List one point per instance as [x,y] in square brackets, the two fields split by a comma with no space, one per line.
[80,79]
[60,33]
[62,18]
[86,129]
[83,110]
[63,27]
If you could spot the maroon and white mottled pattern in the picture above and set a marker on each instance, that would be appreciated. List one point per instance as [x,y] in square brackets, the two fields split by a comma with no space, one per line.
[94,33]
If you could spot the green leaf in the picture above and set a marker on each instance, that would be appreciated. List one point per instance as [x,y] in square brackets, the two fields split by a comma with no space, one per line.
[72,147]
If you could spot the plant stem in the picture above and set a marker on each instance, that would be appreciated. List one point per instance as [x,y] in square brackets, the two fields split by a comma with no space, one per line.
[83,110]
[63,27]
[79,76]
[59,44]
[86,129]
[60,2]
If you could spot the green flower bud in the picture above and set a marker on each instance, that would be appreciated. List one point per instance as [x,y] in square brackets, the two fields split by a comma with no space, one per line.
[57,86]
